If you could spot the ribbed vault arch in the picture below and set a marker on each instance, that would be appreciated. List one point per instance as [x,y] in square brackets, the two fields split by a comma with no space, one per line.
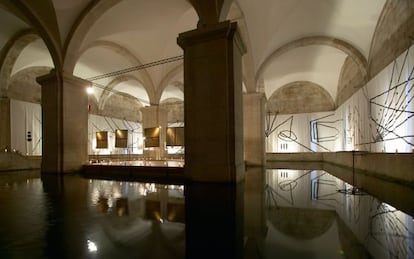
[10,55]
[81,27]
[347,48]
[147,81]
[166,80]
[107,90]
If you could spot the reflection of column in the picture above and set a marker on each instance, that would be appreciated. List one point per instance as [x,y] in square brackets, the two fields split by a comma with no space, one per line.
[255,227]
[254,203]
[155,117]
[5,132]
[213,107]
[66,199]
[214,220]
[64,122]
[254,122]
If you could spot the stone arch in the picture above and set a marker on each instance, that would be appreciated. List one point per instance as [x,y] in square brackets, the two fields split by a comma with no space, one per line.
[300,97]
[347,48]
[11,53]
[43,20]
[81,27]
[350,81]
[393,34]
[26,79]
[106,93]
[166,80]
[236,14]
[147,81]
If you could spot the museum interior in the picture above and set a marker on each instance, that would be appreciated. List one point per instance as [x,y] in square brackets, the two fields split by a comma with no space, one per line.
[267,94]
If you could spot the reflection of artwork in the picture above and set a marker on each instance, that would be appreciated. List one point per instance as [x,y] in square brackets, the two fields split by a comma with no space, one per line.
[389,230]
[121,138]
[390,109]
[102,139]
[152,137]
[175,136]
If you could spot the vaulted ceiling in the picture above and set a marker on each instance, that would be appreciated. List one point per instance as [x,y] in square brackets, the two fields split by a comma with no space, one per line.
[288,42]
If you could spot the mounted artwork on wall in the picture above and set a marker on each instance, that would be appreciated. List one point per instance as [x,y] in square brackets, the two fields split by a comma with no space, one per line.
[152,137]
[175,136]
[102,139]
[121,138]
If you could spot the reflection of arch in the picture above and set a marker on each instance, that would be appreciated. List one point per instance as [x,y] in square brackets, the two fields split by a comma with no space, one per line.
[302,224]
[345,47]
[148,84]
[300,97]
[107,90]
[11,53]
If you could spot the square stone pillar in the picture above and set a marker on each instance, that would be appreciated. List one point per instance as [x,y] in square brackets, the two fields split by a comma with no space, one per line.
[5,126]
[254,129]
[155,117]
[213,106]
[64,122]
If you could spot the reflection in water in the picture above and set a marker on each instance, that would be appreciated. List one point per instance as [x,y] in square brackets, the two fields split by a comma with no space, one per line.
[304,203]
[272,214]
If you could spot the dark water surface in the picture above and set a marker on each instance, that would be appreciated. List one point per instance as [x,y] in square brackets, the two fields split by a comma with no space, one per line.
[272,214]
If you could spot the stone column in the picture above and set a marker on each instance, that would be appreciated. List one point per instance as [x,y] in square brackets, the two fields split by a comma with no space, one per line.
[64,122]
[254,129]
[5,130]
[155,117]
[213,106]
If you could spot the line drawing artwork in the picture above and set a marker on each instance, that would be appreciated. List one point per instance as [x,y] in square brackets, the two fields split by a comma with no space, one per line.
[322,130]
[390,109]
[329,126]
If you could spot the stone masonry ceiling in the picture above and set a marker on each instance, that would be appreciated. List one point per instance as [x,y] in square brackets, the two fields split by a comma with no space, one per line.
[287,42]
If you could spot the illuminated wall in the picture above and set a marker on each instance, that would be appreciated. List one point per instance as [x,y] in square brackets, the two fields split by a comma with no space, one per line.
[377,118]
[123,137]
[26,127]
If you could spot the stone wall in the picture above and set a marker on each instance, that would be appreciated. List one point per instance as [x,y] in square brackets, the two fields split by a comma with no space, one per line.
[393,35]
[350,80]
[10,161]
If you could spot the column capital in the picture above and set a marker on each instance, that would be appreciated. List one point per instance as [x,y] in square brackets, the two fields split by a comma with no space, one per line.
[221,30]
[52,77]
[257,95]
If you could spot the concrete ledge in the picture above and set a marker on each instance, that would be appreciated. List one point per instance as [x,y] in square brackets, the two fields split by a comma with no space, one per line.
[11,161]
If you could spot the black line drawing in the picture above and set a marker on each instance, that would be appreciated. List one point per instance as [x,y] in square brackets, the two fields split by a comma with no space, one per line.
[321,130]
[390,109]
[316,127]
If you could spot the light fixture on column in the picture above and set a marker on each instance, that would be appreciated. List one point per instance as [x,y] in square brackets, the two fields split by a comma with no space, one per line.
[89,90]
